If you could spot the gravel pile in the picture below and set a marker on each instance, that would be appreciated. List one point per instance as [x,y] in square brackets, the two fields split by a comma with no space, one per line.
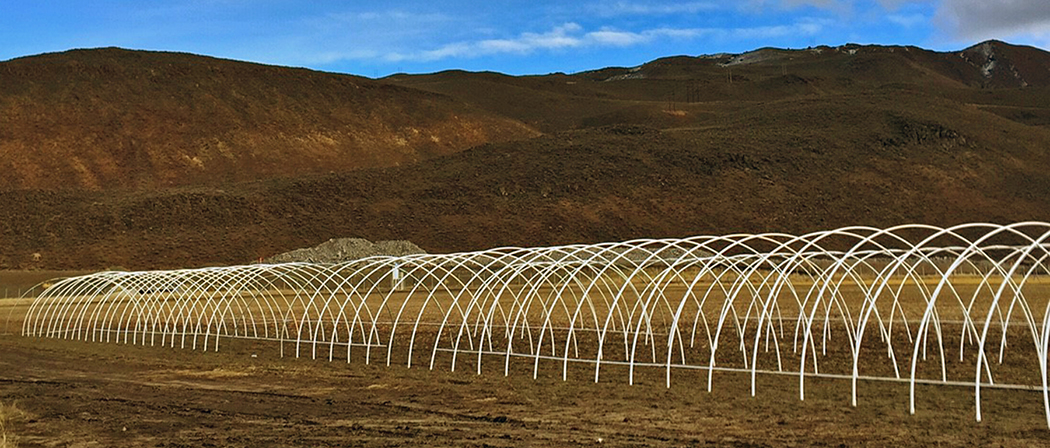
[338,250]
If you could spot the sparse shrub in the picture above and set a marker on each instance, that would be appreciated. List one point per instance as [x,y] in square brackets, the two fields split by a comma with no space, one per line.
[9,414]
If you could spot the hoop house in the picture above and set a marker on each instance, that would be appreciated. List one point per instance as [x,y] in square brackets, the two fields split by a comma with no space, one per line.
[965,305]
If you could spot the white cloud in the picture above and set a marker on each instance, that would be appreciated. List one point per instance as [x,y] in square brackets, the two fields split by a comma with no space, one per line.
[893,5]
[983,19]
[759,5]
[907,20]
[617,38]
[392,23]
[332,37]
[815,3]
[649,8]
[767,32]
[890,5]
[573,36]
[560,37]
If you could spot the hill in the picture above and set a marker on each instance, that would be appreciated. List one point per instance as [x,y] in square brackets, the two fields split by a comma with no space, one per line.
[109,118]
[680,146]
[1013,81]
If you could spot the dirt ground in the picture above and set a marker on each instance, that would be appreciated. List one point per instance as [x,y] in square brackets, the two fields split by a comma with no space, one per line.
[83,394]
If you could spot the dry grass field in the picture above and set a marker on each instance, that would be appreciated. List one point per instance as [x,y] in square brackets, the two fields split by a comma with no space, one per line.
[10,415]
[144,393]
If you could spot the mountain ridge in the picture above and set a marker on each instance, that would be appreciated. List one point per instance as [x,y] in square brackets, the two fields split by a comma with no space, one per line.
[978,56]
[824,140]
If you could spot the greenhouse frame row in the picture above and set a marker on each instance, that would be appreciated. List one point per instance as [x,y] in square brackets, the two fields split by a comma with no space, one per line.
[965,305]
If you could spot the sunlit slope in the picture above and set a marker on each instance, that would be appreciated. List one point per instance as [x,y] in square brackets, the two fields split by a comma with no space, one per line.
[110,118]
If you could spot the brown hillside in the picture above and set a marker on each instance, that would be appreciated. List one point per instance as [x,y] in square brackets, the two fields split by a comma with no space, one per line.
[771,140]
[1020,78]
[112,118]
[876,158]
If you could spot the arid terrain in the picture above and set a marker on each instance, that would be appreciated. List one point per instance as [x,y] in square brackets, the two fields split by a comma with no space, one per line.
[112,119]
[73,393]
[148,390]
[118,159]
[99,147]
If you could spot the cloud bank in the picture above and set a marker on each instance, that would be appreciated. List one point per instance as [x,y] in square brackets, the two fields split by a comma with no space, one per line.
[574,36]
[976,20]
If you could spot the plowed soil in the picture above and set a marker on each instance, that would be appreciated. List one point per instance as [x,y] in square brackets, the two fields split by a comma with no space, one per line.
[97,394]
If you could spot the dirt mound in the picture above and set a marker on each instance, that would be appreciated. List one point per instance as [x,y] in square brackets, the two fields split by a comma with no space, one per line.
[337,250]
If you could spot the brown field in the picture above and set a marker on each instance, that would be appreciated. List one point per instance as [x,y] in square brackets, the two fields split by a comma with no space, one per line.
[75,393]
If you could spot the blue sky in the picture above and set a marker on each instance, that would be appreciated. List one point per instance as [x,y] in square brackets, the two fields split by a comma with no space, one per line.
[515,37]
